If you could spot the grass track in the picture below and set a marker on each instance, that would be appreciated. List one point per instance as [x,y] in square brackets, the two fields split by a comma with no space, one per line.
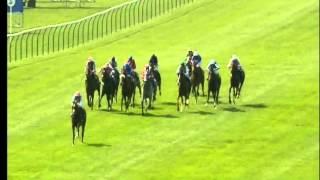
[272,132]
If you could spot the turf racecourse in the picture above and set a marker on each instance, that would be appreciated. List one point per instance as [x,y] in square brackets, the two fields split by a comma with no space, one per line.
[271,133]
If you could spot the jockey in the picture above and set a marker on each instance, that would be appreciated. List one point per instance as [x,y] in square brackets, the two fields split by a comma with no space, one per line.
[113,62]
[196,59]
[132,63]
[127,70]
[146,73]
[213,67]
[90,67]
[185,70]
[189,55]
[154,62]
[77,98]
[108,69]
[234,61]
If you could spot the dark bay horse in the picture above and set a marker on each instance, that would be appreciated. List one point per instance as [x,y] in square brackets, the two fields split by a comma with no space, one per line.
[108,89]
[127,90]
[92,84]
[157,76]
[183,91]
[78,118]
[197,79]
[236,82]
[136,83]
[117,80]
[147,95]
[214,83]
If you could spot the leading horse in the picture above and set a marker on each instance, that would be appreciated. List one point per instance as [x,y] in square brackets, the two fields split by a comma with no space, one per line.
[78,118]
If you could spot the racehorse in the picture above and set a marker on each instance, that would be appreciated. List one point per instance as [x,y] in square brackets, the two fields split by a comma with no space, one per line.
[78,118]
[183,91]
[157,76]
[117,81]
[147,95]
[127,90]
[236,82]
[197,78]
[136,84]
[92,84]
[214,83]
[108,88]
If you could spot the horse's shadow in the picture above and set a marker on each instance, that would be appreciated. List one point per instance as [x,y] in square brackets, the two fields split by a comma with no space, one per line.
[232,109]
[98,145]
[201,112]
[257,106]
[147,114]
[169,103]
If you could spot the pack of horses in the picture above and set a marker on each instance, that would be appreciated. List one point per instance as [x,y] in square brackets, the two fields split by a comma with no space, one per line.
[110,85]
[129,83]
[186,87]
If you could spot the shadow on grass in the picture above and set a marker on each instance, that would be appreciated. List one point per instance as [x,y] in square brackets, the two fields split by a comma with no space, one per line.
[147,114]
[232,109]
[169,103]
[99,145]
[202,112]
[257,106]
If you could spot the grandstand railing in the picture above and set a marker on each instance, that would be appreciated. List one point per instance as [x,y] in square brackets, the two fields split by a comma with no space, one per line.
[55,38]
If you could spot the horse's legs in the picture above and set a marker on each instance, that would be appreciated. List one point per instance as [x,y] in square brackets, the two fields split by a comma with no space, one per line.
[133,97]
[208,94]
[82,131]
[72,134]
[234,95]
[121,102]
[99,96]
[214,96]
[202,87]
[88,98]
[159,86]
[178,103]
[92,100]
[230,95]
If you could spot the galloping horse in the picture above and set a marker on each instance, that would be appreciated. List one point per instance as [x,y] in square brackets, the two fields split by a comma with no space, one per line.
[136,84]
[147,95]
[117,80]
[214,83]
[183,91]
[109,88]
[157,76]
[236,82]
[127,90]
[92,84]
[78,118]
[197,78]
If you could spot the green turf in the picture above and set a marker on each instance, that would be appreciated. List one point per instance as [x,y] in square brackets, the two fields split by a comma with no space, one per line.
[271,133]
